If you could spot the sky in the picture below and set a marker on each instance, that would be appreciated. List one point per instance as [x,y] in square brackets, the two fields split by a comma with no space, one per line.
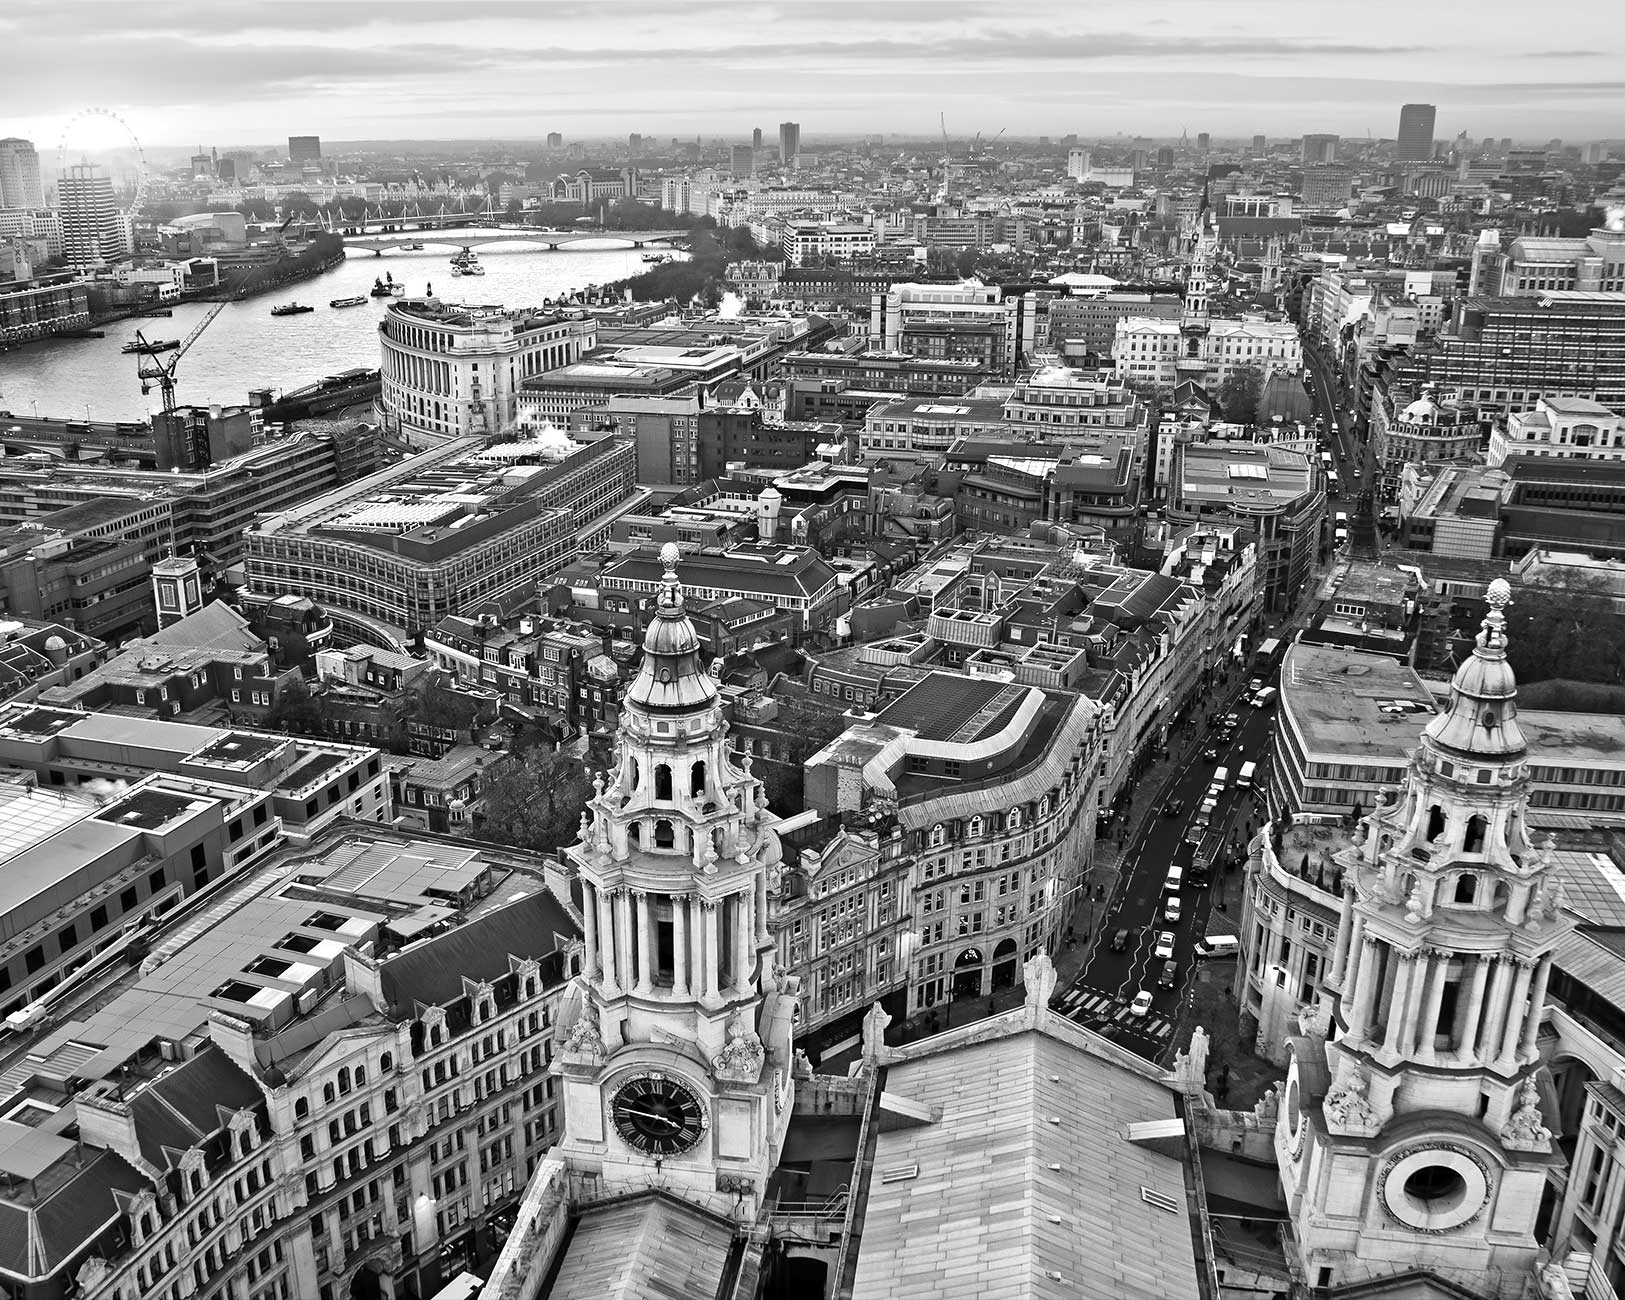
[229,73]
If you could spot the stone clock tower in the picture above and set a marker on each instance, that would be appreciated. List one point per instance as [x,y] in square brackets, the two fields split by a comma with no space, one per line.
[677,1067]
[1417,1138]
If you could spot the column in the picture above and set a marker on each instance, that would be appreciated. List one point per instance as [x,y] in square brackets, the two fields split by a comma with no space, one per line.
[1353,965]
[1365,988]
[589,919]
[646,952]
[605,902]
[1430,1008]
[1468,1049]
[708,962]
[1495,1007]
[1537,1004]
[1514,1026]
[623,938]
[744,939]
[1399,1002]
[1345,939]
[679,944]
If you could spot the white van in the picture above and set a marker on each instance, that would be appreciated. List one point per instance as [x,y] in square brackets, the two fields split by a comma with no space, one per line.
[1341,519]
[1221,777]
[1244,778]
[1176,878]
[1218,945]
[1265,697]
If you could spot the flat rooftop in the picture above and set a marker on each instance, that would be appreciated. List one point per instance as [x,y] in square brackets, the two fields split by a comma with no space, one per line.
[955,710]
[1335,697]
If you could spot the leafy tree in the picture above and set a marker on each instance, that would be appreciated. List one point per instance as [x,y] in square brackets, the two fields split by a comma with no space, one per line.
[533,801]
[1566,628]
[297,710]
[1239,394]
[807,731]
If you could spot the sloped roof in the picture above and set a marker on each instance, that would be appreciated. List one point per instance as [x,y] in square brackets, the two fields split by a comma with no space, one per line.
[650,1248]
[432,972]
[214,627]
[51,1219]
[189,1105]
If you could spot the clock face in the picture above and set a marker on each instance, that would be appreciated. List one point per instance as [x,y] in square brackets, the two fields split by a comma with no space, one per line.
[658,1114]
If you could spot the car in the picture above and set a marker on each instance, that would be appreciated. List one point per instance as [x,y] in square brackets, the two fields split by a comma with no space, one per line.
[1165,945]
[1255,684]
[1226,735]
[1170,974]
[1173,807]
[1211,753]
[1141,1006]
[1170,909]
[1120,941]
[1232,720]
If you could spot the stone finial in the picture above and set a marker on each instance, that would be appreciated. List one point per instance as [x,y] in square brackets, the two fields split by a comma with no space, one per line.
[802,1069]
[1525,1130]
[1347,1104]
[584,1040]
[1190,1066]
[741,1057]
[874,1033]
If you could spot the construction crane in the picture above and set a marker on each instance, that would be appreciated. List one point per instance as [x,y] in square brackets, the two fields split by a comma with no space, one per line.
[153,370]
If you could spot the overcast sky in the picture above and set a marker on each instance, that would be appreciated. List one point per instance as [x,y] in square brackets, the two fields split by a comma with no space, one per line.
[233,72]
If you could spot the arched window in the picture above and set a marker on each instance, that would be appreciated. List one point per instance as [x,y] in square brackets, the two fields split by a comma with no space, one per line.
[1466,887]
[665,836]
[301,1108]
[386,1062]
[435,1035]
[696,779]
[1043,806]
[1473,842]
[939,836]
[1435,823]
[1013,822]
[344,1080]
[976,827]
[328,1095]
[637,774]
[1502,895]
[634,835]
[360,1075]
[662,781]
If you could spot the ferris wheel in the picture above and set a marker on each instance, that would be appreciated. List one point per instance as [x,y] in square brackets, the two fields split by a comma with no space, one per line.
[101,130]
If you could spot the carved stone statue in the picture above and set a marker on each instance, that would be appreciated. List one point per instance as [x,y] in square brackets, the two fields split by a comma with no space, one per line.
[1040,977]
[874,1032]
[1268,1107]
[1525,1128]
[1347,1103]
[584,1038]
[1556,896]
[802,1068]
[742,1055]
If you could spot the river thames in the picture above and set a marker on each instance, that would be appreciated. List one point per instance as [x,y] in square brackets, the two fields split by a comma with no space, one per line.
[248,348]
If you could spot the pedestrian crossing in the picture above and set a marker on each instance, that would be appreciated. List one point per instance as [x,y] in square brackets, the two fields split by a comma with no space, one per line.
[1083,1004]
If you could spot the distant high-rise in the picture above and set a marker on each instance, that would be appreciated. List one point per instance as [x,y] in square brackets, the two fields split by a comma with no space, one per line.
[1165,156]
[789,142]
[555,140]
[756,138]
[225,171]
[1319,150]
[1203,141]
[20,185]
[202,164]
[93,229]
[1077,164]
[634,142]
[1260,144]
[742,160]
[304,149]
[1415,142]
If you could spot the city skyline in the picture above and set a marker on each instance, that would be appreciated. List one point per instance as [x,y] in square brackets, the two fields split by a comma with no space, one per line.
[494,69]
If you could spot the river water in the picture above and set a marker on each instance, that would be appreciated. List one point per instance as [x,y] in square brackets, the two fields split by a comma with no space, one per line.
[247,347]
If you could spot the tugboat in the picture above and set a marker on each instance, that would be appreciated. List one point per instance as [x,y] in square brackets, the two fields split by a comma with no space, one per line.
[291,309]
[380,289]
[356,301]
[158,345]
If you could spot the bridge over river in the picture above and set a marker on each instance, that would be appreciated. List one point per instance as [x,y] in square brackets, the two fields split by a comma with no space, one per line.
[542,239]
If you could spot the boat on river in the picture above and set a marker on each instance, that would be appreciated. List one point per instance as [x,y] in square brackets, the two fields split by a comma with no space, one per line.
[291,309]
[157,345]
[357,301]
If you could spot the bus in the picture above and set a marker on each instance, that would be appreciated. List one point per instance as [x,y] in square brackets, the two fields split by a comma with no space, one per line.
[1268,658]
[1326,460]
[1334,485]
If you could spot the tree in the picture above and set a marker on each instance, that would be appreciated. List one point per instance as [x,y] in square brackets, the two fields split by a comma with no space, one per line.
[807,731]
[1239,394]
[1566,628]
[297,710]
[533,801]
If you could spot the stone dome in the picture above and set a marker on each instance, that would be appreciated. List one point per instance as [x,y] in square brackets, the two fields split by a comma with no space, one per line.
[1424,410]
[672,676]
[1483,714]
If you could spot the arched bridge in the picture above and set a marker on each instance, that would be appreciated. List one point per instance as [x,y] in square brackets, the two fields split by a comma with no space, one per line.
[549,239]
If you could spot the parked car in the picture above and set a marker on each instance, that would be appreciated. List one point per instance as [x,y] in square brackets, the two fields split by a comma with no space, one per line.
[1141,1006]
[1165,945]
[1171,909]
[1120,941]
[1170,974]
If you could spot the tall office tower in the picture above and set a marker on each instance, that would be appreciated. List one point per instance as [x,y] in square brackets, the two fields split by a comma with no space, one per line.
[1415,133]
[20,185]
[555,140]
[202,164]
[634,142]
[756,138]
[743,161]
[225,170]
[1165,156]
[1259,144]
[93,229]
[1203,141]
[789,142]
[1319,149]
[1077,164]
[304,149]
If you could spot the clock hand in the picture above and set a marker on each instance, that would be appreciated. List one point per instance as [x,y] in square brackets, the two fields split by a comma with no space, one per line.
[649,1114]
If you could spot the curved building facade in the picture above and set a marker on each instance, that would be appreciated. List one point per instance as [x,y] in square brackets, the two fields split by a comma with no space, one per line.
[449,371]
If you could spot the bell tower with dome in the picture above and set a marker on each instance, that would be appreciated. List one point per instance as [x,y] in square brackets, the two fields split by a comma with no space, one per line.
[676,1060]
[1413,1131]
